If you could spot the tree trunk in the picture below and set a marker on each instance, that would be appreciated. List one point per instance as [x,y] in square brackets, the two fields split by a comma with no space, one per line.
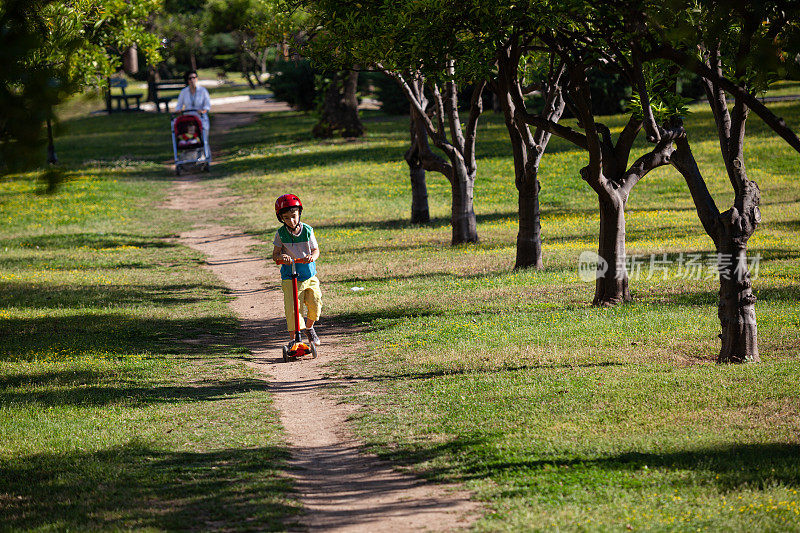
[729,231]
[462,217]
[351,125]
[497,105]
[52,158]
[611,286]
[340,108]
[529,238]
[737,312]
[526,170]
[246,74]
[420,213]
[152,78]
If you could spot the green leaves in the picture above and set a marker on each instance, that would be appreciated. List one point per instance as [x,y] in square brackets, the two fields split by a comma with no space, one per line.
[660,81]
[50,49]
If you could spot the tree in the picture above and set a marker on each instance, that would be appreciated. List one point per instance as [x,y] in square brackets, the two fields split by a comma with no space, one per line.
[743,47]
[340,107]
[497,42]
[183,33]
[288,24]
[393,37]
[511,86]
[54,48]
[447,134]
[579,38]
[240,18]
[29,89]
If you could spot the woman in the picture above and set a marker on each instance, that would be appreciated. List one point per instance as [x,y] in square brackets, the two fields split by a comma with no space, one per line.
[195,97]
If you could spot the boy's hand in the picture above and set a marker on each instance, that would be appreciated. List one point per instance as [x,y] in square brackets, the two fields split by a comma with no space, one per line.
[284,260]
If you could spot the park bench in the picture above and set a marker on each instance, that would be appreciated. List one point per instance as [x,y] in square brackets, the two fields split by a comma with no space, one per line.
[125,98]
[154,87]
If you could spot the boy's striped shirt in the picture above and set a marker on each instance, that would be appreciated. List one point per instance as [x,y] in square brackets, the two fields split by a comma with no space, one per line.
[299,247]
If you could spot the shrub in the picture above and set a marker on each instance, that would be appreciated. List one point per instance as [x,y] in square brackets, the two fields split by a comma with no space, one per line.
[293,82]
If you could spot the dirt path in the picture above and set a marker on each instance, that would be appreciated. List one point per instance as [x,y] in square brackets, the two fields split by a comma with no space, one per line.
[341,488]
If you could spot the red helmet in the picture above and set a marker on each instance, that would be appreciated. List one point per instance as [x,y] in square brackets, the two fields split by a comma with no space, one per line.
[287,201]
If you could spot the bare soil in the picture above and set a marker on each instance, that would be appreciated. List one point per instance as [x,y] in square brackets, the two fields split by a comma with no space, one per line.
[341,488]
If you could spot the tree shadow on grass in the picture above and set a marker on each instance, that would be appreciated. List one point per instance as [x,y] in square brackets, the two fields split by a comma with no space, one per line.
[95,388]
[451,372]
[112,335]
[725,467]
[137,486]
[787,293]
[93,241]
[40,296]
[275,163]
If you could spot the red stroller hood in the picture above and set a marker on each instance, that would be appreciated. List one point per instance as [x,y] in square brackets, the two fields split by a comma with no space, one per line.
[183,121]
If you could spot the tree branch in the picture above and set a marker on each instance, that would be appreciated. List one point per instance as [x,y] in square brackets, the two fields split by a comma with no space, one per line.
[649,121]
[777,124]
[659,156]
[413,98]
[475,110]
[708,213]
[583,103]
[439,103]
[622,150]
[451,109]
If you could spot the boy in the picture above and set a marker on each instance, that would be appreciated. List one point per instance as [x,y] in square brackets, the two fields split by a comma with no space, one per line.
[295,241]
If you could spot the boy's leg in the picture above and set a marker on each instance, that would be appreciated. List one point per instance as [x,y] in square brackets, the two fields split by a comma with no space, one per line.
[312,297]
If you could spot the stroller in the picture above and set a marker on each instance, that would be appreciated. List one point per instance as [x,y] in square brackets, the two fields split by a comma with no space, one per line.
[188,142]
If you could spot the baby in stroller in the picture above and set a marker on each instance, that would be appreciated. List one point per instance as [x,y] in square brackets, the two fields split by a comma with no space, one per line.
[188,142]
[189,137]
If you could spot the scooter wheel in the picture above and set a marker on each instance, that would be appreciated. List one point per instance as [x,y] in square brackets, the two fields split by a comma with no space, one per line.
[313,350]
[206,168]
[285,355]
[177,170]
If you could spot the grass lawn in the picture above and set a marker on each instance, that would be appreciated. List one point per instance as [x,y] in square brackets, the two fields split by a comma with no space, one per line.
[113,416]
[559,415]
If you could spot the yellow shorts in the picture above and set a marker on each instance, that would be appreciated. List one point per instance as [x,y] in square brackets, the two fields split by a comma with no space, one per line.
[308,296]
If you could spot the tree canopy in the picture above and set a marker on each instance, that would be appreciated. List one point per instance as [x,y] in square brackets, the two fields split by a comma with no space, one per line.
[50,49]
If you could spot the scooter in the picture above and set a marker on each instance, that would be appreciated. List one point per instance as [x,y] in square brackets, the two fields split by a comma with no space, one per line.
[297,348]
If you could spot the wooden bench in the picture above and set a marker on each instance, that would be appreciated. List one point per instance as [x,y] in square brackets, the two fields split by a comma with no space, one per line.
[154,87]
[122,84]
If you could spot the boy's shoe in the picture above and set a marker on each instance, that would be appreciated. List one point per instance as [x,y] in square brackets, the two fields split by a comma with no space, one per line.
[312,336]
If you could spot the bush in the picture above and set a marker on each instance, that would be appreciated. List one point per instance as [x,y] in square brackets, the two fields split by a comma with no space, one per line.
[610,94]
[690,85]
[391,97]
[293,82]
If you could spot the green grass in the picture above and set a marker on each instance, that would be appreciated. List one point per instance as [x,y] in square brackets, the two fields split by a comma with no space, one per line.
[784,88]
[125,402]
[559,415]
